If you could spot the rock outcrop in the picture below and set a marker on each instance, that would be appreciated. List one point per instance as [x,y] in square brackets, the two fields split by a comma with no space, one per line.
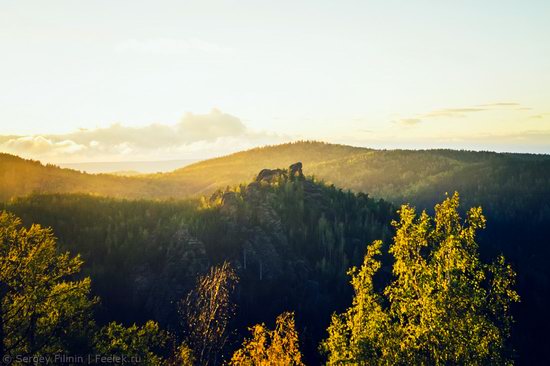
[272,175]
[230,203]
[295,170]
[252,214]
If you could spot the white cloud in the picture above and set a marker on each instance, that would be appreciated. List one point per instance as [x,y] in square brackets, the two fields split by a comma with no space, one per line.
[461,112]
[208,126]
[410,121]
[452,112]
[196,135]
[500,104]
[41,145]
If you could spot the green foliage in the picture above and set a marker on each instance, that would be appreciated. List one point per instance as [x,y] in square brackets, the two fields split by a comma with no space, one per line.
[43,309]
[139,254]
[134,258]
[294,239]
[443,306]
[290,243]
[138,344]
[46,311]
[270,347]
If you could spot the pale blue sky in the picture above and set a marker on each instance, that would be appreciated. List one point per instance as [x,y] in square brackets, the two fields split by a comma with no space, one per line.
[374,73]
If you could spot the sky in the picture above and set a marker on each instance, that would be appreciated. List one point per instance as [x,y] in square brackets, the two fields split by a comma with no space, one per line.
[158,80]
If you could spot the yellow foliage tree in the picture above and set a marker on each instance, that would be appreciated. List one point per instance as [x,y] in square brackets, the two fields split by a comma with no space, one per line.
[184,356]
[271,347]
[206,312]
[443,306]
[43,310]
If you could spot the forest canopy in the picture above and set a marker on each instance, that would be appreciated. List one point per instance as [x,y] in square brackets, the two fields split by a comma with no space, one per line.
[290,241]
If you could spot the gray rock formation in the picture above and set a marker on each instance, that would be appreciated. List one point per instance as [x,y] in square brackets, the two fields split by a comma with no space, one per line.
[230,203]
[270,175]
[295,170]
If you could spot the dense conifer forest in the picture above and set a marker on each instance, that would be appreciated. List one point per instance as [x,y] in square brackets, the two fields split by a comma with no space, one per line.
[290,240]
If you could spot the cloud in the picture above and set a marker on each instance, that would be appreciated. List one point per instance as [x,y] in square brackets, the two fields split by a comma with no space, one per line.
[438,113]
[4,138]
[526,141]
[191,128]
[452,112]
[409,121]
[539,116]
[213,133]
[208,126]
[500,104]
[41,145]
[461,112]
[170,47]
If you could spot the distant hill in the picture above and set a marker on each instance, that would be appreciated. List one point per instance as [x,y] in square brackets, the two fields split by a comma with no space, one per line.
[21,177]
[397,175]
[420,177]
[141,167]
[126,173]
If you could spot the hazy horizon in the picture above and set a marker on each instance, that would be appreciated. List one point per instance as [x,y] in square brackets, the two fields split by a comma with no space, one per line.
[131,167]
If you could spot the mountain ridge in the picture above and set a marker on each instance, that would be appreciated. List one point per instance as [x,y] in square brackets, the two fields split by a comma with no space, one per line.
[396,175]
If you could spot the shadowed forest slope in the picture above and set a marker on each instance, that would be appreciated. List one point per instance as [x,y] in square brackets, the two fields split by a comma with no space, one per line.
[290,239]
[513,189]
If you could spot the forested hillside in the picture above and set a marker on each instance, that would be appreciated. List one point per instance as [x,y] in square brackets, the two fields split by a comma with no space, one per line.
[513,189]
[396,175]
[277,245]
[20,177]
[290,239]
